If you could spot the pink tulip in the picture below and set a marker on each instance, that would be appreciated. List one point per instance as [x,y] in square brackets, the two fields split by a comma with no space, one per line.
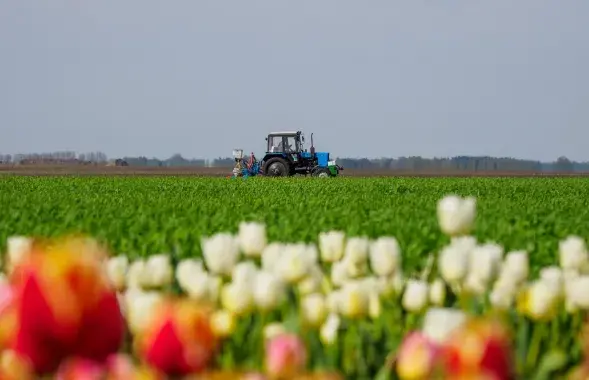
[120,367]
[417,357]
[80,369]
[286,356]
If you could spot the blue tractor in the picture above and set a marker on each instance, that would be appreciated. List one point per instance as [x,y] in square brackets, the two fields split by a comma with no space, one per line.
[285,156]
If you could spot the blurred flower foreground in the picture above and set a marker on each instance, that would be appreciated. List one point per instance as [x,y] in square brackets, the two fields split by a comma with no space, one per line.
[253,309]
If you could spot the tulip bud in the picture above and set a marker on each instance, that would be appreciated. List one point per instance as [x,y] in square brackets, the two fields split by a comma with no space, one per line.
[313,309]
[116,268]
[179,339]
[158,271]
[573,253]
[416,296]
[286,356]
[385,256]
[354,301]
[252,238]
[221,253]
[332,245]
[417,357]
[456,215]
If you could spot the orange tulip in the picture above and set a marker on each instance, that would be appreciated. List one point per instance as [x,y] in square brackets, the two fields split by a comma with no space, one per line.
[178,340]
[480,348]
[64,305]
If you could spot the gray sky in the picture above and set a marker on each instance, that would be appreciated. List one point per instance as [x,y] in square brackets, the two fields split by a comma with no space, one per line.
[370,78]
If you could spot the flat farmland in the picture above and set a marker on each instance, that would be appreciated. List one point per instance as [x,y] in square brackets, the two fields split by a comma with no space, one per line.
[145,215]
[100,170]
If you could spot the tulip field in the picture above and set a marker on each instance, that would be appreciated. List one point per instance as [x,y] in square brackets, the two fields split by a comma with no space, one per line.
[344,278]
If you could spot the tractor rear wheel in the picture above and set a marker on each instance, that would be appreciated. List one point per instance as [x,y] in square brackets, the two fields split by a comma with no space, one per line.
[276,167]
[322,173]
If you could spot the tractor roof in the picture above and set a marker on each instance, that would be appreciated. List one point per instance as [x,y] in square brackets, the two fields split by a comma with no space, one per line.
[283,133]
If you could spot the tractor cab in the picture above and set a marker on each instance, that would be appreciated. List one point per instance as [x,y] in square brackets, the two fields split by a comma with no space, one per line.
[285,142]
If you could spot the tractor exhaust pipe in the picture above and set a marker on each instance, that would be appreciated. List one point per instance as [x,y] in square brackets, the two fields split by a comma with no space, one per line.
[312,149]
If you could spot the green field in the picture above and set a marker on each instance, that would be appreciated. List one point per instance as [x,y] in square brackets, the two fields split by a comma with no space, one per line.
[139,216]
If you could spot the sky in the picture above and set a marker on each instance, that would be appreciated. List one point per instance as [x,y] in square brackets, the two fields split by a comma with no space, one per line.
[372,78]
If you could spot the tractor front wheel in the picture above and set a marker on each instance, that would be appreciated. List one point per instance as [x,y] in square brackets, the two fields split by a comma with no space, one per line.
[276,167]
[322,173]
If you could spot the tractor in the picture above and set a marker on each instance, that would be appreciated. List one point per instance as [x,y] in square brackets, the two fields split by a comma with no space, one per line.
[285,156]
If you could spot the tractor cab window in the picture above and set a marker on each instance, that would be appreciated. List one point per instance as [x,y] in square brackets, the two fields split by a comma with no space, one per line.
[283,144]
[274,143]
[291,144]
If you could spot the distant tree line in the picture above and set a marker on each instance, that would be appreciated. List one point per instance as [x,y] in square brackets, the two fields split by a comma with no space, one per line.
[466,163]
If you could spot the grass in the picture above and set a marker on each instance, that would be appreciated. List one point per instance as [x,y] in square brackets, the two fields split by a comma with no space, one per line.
[141,216]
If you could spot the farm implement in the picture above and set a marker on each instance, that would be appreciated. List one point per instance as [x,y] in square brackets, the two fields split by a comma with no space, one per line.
[285,156]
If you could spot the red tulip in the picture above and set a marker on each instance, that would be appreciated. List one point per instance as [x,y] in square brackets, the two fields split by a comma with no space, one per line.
[179,339]
[64,305]
[479,348]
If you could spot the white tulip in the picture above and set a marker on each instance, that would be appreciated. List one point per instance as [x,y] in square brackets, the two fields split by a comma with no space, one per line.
[416,295]
[268,291]
[314,309]
[502,296]
[453,264]
[137,275]
[577,292]
[221,253]
[187,268]
[332,245]
[517,264]
[271,256]
[573,253]
[236,298]
[437,292]
[339,273]
[196,286]
[440,323]
[475,285]
[385,256]
[329,331]
[116,269]
[158,271]
[312,282]
[244,273]
[356,256]
[17,247]
[456,215]
[554,276]
[391,285]
[141,307]
[541,299]
[354,300]
[485,261]
[295,263]
[252,238]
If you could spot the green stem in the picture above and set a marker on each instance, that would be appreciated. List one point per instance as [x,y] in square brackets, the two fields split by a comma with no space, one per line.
[535,345]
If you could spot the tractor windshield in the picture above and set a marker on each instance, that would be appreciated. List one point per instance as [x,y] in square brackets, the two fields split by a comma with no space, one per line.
[283,144]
